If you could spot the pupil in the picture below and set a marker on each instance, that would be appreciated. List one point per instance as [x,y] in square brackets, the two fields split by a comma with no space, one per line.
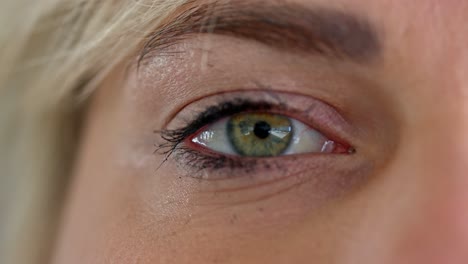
[262,129]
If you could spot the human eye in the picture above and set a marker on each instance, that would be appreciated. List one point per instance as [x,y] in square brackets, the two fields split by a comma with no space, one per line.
[262,134]
[237,129]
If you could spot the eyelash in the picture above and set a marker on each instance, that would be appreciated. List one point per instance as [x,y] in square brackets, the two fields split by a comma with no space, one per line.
[215,161]
[196,159]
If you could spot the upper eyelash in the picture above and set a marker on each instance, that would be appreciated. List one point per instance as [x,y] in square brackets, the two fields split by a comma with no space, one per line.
[174,137]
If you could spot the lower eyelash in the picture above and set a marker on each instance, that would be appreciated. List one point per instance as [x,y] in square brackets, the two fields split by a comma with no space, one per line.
[200,161]
[214,166]
[197,163]
[195,159]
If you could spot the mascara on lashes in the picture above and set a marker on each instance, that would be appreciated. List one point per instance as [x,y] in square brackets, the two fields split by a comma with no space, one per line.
[210,115]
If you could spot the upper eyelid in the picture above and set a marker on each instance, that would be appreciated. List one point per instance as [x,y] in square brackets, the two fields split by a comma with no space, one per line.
[308,110]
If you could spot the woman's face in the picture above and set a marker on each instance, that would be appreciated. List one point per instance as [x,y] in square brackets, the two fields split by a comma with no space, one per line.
[301,131]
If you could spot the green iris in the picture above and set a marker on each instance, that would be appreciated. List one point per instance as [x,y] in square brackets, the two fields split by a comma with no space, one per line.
[259,135]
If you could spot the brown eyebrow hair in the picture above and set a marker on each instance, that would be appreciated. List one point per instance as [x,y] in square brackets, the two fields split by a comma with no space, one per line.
[285,26]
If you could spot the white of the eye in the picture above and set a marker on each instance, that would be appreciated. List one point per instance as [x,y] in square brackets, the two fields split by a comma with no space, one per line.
[215,138]
[304,140]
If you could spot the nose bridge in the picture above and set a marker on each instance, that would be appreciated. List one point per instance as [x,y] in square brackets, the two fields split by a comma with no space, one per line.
[426,207]
[436,230]
[443,139]
[436,159]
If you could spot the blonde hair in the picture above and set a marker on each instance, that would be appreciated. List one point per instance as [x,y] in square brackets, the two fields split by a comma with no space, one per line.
[53,53]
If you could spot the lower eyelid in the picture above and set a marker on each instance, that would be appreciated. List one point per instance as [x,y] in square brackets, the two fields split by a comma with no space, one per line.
[318,169]
[213,166]
[313,179]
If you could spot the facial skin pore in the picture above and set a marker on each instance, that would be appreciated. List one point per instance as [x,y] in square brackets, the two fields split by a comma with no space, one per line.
[394,71]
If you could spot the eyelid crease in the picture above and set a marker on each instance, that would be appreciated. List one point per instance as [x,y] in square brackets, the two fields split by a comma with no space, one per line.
[314,112]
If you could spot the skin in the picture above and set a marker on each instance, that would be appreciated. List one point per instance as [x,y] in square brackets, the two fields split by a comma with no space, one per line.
[404,201]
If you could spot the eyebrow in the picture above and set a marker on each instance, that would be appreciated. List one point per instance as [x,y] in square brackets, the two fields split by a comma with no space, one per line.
[285,26]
